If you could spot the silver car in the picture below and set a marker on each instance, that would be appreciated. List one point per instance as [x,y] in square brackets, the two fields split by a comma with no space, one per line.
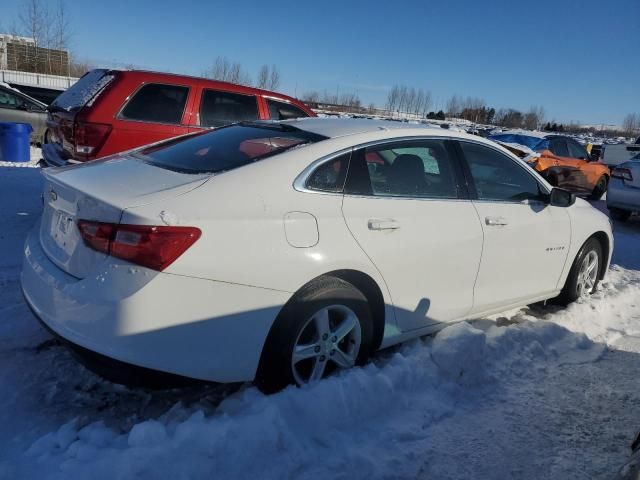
[623,195]
[15,106]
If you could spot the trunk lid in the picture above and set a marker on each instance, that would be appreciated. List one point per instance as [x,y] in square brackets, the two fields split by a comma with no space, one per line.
[99,191]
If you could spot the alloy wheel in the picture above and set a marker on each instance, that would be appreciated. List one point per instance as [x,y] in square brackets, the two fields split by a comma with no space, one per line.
[588,273]
[330,339]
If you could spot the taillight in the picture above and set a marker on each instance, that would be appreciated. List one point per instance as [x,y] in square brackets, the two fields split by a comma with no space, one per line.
[622,174]
[89,137]
[154,247]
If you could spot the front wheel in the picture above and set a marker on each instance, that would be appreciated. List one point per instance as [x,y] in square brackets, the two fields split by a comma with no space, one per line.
[584,276]
[324,328]
[599,189]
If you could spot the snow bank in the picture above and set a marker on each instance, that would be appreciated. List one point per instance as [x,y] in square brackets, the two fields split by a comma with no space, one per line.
[36,156]
[357,421]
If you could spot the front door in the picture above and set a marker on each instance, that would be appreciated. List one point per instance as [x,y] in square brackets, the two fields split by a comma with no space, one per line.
[526,240]
[404,206]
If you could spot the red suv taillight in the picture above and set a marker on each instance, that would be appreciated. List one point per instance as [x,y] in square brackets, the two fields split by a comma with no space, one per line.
[89,137]
[154,247]
[622,174]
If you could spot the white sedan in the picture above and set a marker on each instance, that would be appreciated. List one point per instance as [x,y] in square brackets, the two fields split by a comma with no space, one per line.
[284,251]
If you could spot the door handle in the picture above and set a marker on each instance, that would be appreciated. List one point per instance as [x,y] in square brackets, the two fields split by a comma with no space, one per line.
[496,221]
[374,224]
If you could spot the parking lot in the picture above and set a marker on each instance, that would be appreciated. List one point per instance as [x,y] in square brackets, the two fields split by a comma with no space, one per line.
[542,392]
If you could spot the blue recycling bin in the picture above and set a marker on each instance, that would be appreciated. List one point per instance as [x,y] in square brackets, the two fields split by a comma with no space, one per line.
[14,142]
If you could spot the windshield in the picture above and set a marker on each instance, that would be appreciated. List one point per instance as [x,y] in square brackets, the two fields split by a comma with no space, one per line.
[226,148]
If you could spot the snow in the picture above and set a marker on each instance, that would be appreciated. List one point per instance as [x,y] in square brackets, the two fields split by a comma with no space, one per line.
[539,392]
[36,156]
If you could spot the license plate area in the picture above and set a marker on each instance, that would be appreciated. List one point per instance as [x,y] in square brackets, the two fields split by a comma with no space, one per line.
[63,230]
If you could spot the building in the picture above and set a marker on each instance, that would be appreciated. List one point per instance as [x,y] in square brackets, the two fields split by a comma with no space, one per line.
[23,55]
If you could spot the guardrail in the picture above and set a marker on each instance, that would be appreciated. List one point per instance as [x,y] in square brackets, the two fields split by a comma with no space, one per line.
[42,80]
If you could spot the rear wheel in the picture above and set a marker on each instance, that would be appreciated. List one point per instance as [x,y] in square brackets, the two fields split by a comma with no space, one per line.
[599,189]
[326,327]
[584,276]
[619,214]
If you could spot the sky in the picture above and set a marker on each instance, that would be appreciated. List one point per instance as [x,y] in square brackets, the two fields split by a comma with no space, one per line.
[580,60]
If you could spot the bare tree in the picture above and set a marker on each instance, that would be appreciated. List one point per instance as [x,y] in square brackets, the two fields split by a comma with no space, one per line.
[263,77]
[631,124]
[392,98]
[453,106]
[274,78]
[311,97]
[226,71]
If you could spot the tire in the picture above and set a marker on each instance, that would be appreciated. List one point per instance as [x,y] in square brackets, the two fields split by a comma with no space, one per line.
[600,188]
[576,285]
[552,179]
[619,214]
[299,325]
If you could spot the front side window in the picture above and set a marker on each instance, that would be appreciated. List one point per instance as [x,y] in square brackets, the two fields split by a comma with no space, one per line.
[577,151]
[330,176]
[284,111]
[498,177]
[157,103]
[222,108]
[559,147]
[225,148]
[417,169]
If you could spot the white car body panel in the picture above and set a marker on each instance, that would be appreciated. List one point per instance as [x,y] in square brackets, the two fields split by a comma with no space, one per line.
[428,254]
[534,239]
[208,314]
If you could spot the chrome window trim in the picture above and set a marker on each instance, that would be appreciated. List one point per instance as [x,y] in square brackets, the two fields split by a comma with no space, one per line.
[120,116]
[300,182]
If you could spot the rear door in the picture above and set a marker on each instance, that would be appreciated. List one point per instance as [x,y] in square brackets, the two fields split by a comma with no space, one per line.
[407,210]
[525,240]
[17,108]
[153,112]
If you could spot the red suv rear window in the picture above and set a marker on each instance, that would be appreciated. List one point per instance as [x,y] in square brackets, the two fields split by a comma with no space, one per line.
[83,91]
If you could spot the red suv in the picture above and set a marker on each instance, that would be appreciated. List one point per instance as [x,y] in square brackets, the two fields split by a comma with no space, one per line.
[110,111]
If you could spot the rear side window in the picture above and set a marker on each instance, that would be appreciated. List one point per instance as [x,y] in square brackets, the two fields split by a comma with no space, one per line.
[157,103]
[222,108]
[415,169]
[284,111]
[9,99]
[330,176]
[84,90]
[226,148]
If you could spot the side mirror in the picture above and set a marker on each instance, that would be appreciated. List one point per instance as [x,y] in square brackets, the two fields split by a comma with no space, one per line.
[560,197]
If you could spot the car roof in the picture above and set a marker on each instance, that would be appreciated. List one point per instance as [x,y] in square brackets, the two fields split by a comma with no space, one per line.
[341,127]
[150,75]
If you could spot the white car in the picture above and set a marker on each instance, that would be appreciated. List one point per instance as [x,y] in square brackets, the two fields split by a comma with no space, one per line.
[283,251]
[623,194]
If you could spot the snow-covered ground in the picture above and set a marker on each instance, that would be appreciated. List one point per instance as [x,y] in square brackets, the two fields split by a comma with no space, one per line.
[541,392]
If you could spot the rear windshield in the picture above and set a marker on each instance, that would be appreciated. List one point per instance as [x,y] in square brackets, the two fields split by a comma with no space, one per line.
[226,148]
[81,92]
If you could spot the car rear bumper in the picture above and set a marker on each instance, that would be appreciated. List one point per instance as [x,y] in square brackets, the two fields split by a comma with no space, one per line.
[622,196]
[185,326]
[53,155]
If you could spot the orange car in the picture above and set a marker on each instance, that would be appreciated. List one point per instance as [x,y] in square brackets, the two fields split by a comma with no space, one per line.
[561,160]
